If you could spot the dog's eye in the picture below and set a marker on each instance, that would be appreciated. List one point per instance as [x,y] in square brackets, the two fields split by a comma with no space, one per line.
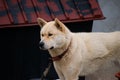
[42,34]
[50,34]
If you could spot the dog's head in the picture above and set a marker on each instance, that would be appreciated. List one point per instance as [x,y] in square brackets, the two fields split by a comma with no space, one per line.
[53,34]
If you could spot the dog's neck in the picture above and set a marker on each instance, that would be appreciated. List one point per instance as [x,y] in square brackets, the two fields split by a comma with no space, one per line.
[57,54]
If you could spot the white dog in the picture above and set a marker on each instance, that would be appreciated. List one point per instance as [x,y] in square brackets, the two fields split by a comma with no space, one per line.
[80,54]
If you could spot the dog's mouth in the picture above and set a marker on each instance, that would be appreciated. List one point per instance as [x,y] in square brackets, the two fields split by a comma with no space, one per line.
[52,47]
[45,48]
[42,48]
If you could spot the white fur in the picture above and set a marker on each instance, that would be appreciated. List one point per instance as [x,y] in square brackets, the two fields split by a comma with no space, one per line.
[93,55]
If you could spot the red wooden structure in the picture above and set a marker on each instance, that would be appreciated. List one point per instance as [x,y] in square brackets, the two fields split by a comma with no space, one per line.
[16,13]
[118,75]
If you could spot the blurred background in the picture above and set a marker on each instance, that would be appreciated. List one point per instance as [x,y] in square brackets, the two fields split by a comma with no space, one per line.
[111,10]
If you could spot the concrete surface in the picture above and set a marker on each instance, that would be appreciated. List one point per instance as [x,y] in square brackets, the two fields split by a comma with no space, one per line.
[111,10]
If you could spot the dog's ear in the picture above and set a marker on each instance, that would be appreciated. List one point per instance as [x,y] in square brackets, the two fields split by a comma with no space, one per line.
[41,22]
[59,25]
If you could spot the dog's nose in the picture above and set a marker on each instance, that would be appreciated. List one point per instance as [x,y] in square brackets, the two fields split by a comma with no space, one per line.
[41,44]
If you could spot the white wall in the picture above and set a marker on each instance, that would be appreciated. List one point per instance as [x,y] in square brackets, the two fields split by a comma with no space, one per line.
[111,10]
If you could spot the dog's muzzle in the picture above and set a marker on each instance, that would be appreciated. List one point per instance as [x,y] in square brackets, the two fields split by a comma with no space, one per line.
[41,45]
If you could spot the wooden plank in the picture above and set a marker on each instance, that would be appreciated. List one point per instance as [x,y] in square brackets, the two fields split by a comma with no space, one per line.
[4,19]
[14,10]
[69,9]
[95,8]
[42,10]
[84,8]
[29,10]
[56,9]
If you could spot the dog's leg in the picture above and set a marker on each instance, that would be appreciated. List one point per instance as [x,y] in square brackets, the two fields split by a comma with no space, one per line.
[59,73]
[72,76]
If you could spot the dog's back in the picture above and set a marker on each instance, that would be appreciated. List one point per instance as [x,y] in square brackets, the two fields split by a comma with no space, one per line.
[103,53]
[109,40]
